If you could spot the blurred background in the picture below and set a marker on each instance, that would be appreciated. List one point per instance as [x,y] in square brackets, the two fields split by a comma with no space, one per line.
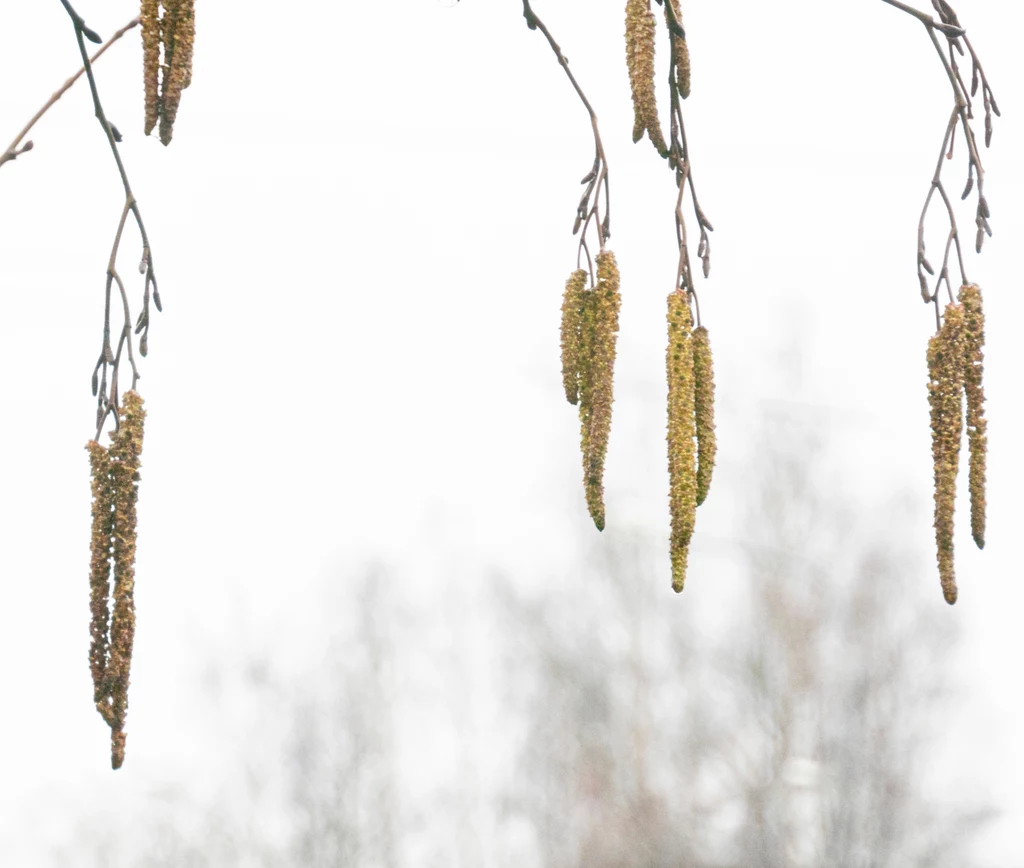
[375,624]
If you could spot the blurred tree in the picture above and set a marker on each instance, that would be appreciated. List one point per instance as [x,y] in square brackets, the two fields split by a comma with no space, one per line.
[800,740]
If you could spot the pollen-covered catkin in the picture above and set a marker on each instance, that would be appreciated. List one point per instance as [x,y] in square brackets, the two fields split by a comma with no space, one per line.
[150,17]
[680,53]
[572,320]
[681,434]
[605,303]
[99,569]
[945,399]
[124,475]
[640,33]
[704,410]
[977,436]
[178,29]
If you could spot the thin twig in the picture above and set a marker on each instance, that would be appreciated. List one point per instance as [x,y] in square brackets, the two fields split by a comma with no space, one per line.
[588,211]
[679,160]
[107,400]
[13,151]
[962,115]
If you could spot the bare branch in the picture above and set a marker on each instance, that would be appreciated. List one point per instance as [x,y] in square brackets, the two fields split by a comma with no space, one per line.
[107,397]
[588,211]
[13,150]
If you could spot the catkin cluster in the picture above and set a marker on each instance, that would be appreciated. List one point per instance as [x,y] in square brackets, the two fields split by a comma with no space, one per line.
[955,370]
[115,476]
[590,326]
[173,31]
[640,33]
[691,427]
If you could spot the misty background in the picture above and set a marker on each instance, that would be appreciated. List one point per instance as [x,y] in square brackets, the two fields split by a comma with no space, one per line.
[375,625]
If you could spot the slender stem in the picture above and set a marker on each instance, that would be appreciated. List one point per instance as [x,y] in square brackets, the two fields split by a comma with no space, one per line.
[588,210]
[13,150]
[951,30]
[107,401]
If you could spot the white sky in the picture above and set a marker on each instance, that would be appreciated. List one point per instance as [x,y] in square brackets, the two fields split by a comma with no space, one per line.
[361,232]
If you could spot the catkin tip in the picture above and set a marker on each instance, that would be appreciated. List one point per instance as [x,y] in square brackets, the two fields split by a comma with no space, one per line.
[117,744]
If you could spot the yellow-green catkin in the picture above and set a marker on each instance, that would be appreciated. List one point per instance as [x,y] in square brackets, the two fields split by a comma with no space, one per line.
[704,410]
[572,321]
[150,18]
[604,306]
[977,436]
[178,30]
[124,453]
[640,33]
[99,572]
[681,434]
[680,53]
[945,399]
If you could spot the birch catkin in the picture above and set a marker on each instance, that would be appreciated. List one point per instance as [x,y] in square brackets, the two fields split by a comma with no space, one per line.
[977,437]
[640,33]
[115,476]
[945,399]
[572,320]
[605,304]
[704,410]
[172,33]
[99,570]
[681,434]
[150,18]
[179,29]
[680,53]
[124,474]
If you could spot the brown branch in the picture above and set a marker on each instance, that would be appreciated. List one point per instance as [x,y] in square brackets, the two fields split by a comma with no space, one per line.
[679,160]
[107,396]
[13,151]
[948,29]
[962,115]
[588,211]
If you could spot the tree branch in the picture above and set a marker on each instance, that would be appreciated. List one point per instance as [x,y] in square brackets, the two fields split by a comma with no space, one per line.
[13,151]
[107,397]
[588,210]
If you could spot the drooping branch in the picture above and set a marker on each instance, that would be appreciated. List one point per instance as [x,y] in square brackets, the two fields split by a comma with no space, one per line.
[961,116]
[679,161]
[105,385]
[588,211]
[13,150]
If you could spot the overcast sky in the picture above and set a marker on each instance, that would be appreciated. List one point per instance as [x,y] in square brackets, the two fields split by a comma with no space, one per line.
[361,232]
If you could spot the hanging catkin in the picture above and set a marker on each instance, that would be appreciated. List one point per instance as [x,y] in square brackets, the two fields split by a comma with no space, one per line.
[640,33]
[179,29]
[704,410]
[977,438]
[604,306]
[115,476]
[572,320]
[681,434]
[99,572]
[150,18]
[945,399]
[124,474]
[680,52]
